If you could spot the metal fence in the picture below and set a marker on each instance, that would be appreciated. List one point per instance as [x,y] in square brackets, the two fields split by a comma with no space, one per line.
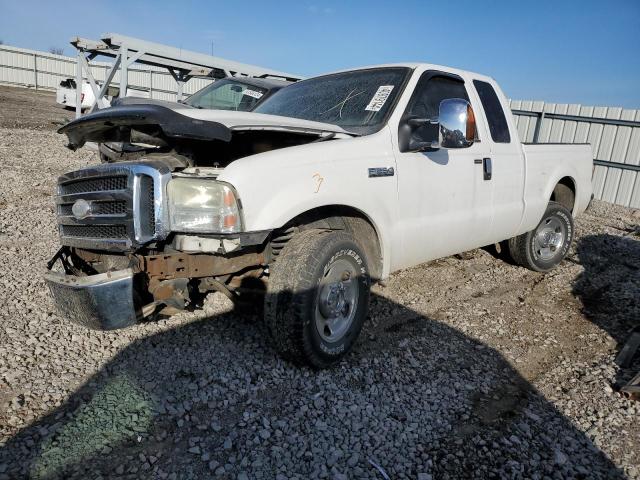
[41,70]
[614,133]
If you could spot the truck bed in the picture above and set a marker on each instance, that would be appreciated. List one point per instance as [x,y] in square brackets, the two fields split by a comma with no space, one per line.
[545,165]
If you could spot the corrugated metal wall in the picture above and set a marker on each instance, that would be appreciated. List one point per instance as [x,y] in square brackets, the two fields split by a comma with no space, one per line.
[611,143]
[19,66]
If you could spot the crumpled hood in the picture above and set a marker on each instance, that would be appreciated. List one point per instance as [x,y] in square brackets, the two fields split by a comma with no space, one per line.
[161,125]
[252,121]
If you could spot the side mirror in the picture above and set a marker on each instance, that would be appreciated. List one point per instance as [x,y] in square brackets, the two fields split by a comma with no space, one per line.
[457,124]
[456,128]
[407,140]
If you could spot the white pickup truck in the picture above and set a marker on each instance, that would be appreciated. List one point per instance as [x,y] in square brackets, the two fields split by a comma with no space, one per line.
[66,94]
[331,184]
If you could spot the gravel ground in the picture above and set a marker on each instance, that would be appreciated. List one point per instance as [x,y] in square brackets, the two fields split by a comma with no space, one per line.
[468,366]
[27,108]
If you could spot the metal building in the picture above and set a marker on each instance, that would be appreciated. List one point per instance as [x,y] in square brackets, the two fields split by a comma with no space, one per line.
[614,135]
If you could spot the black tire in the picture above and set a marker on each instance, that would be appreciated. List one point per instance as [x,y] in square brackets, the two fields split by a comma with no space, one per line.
[293,311]
[530,251]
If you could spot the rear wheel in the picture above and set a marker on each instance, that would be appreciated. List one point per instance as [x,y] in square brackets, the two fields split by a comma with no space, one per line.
[317,297]
[547,245]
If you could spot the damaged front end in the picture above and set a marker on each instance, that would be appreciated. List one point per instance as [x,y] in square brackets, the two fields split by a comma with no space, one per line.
[201,138]
[103,301]
[89,291]
[144,123]
[156,234]
[129,251]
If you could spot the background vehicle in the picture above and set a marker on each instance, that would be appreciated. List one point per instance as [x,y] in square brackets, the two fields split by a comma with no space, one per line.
[332,183]
[241,94]
[66,94]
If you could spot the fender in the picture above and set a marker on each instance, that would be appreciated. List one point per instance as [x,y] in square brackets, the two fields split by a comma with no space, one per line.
[536,203]
[275,187]
[378,220]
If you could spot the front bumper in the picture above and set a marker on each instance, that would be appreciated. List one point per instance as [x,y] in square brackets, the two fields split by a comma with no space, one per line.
[102,302]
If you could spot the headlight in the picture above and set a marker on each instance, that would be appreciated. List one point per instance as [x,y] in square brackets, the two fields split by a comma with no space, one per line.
[203,206]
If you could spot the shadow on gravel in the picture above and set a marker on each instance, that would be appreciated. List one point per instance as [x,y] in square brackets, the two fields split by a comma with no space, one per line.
[609,287]
[212,399]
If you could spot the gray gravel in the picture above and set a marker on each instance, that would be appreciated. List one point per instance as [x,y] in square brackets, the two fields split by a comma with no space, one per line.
[468,367]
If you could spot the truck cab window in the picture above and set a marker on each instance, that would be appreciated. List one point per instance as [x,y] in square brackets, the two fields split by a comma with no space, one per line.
[495,115]
[430,91]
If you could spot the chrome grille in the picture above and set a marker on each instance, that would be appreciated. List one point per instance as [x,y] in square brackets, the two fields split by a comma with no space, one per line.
[94,231]
[94,185]
[117,207]
[147,199]
[120,205]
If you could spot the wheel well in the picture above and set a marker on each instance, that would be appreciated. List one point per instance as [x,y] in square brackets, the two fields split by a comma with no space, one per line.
[341,217]
[565,193]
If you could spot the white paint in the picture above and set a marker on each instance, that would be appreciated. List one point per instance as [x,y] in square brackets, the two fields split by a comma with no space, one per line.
[437,204]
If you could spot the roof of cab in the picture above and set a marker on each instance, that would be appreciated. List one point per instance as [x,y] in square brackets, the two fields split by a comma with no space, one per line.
[268,83]
[414,65]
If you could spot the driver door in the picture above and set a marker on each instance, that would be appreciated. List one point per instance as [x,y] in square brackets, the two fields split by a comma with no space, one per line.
[444,203]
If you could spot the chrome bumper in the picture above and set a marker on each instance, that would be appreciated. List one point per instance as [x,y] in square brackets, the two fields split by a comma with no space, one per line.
[102,302]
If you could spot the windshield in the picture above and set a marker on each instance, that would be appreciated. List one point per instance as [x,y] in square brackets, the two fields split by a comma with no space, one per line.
[227,95]
[357,101]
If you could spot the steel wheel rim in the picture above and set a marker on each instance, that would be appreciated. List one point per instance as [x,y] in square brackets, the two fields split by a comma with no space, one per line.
[549,238]
[337,300]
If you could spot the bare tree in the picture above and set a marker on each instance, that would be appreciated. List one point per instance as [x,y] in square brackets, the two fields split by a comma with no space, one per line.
[1,41]
[56,50]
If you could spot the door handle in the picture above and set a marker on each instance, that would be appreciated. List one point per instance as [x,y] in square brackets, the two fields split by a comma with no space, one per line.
[487,168]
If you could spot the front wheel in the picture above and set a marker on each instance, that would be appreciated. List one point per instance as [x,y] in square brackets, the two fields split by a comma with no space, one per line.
[317,297]
[546,246]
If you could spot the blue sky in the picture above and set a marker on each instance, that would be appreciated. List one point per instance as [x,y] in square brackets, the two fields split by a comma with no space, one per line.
[559,51]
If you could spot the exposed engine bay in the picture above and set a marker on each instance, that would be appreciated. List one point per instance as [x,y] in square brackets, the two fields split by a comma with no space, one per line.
[149,130]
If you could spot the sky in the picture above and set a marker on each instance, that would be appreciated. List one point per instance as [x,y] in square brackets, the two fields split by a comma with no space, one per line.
[563,51]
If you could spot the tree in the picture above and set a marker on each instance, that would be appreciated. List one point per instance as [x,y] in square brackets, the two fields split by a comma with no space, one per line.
[56,50]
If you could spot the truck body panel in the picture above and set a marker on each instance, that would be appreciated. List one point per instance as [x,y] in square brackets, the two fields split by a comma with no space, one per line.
[268,171]
[546,165]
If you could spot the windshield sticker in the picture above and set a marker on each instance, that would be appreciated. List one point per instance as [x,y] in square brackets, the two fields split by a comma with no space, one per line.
[379,99]
[252,93]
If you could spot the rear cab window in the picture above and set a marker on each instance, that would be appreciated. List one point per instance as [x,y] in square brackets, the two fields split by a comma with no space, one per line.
[498,126]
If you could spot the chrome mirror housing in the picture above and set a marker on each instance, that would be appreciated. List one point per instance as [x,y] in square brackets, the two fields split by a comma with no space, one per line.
[457,123]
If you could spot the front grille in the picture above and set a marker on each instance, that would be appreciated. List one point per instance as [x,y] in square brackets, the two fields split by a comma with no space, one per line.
[100,184]
[118,207]
[116,232]
[147,203]
[122,205]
